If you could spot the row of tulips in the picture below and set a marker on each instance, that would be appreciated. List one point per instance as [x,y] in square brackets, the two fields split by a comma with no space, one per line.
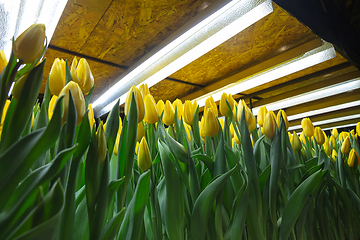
[162,172]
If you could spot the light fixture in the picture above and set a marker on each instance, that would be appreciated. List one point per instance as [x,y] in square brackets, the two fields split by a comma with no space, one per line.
[312,95]
[327,121]
[308,59]
[210,28]
[18,15]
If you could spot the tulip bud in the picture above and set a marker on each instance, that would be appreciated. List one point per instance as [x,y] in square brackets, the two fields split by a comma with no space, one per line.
[101,142]
[248,115]
[116,146]
[319,136]
[139,103]
[236,139]
[91,116]
[252,124]
[189,111]
[282,112]
[211,125]
[334,132]
[222,123]
[261,115]
[144,157]
[326,147]
[169,114]
[177,104]
[232,131]
[82,75]
[6,107]
[235,109]
[140,132]
[57,76]
[18,86]
[160,107]
[334,155]
[30,44]
[187,129]
[151,111]
[302,137]
[345,146]
[332,141]
[358,128]
[353,160]
[269,126]
[308,127]
[3,61]
[52,104]
[353,134]
[144,89]
[210,103]
[78,97]
[296,143]
[224,108]
[342,136]
[201,127]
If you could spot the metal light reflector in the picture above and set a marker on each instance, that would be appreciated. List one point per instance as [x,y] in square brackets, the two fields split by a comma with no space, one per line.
[18,15]
[308,59]
[313,95]
[188,46]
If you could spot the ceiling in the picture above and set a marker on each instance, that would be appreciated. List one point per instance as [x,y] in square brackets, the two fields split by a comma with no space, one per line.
[114,34]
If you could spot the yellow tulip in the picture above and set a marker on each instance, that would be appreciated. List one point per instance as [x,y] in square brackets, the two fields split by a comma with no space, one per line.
[151,111]
[144,157]
[210,103]
[232,130]
[78,100]
[224,108]
[261,115]
[353,160]
[116,146]
[57,76]
[345,146]
[269,127]
[52,105]
[308,127]
[335,133]
[169,114]
[91,116]
[189,111]
[18,86]
[332,141]
[101,142]
[201,128]
[334,155]
[144,89]
[302,137]
[3,61]
[353,134]
[252,125]
[358,128]
[249,117]
[235,109]
[222,123]
[6,107]
[187,129]
[160,107]
[284,117]
[82,75]
[319,136]
[296,143]
[236,139]
[177,104]
[326,147]
[139,103]
[140,132]
[30,44]
[137,147]
[211,125]
[342,136]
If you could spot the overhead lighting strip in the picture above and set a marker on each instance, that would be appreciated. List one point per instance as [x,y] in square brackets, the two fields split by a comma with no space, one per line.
[308,59]
[193,43]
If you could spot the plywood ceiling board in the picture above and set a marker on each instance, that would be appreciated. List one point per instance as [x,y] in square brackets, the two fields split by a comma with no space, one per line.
[168,90]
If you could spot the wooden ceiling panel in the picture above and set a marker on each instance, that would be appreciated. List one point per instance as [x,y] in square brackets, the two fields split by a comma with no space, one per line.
[168,90]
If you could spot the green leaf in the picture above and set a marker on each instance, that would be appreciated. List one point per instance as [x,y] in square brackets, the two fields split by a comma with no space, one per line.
[196,130]
[112,228]
[134,215]
[232,161]
[178,150]
[297,202]
[88,96]
[209,163]
[220,162]
[68,76]
[112,127]
[203,205]
[81,223]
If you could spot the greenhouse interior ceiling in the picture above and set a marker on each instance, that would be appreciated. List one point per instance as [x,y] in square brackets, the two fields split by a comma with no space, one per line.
[270,58]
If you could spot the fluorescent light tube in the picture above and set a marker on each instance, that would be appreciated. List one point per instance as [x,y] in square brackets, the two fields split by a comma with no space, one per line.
[18,15]
[313,95]
[193,43]
[310,58]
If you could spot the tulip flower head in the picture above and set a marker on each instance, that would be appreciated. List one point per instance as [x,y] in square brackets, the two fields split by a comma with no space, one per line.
[353,134]
[144,89]
[18,86]
[353,160]
[308,127]
[335,133]
[326,147]
[319,136]
[52,104]
[91,116]
[101,142]
[169,114]
[224,108]
[345,146]
[232,130]
[144,157]
[6,107]
[160,107]
[3,61]
[57,76]
[78,100]
[151,111]
[211,125]
[210,103]
[178,106]
[261,115]
[334,155]
[249,117]
[140,132]
[358,128]
[283,114]
[139,103]
[296,143]
[201,127]
[236,139]
[342,136]
[269,126]
[332,141]
[82,75]
[189,111]
[29,45]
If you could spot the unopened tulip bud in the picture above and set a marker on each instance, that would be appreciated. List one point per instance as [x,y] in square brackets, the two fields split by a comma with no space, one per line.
[6,107]
[81,74]
[51,106]
[116,146]
[201,127]
[187,129]
[282,112]
[232,131]
[269,126]
[140,132]
[249,117]
[334,155]
[358,128]
[335,133]
[30,44]
[332,141]
[18,86]
[144,89]
[151,111]
[353,134]
[222,123]
[101,142]
[353,160]
[308,127]
[144,157]
[346,145]
[139,103]
[342,136]
[211,125]
[319,136]
[296,143]
[160,107]
[91,116]
[236,139]
[210,103]
[252,125]
[57,76]
[189,111]
[169,114]
[177,104]
[3,61]
[224,108]
[261,116]
[326,147]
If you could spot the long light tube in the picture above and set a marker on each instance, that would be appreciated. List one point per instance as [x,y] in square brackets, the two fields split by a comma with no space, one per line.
[193,43]
[18,15]
[310,58]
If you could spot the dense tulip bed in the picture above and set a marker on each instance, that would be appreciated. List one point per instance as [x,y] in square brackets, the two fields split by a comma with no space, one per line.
[161,172]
